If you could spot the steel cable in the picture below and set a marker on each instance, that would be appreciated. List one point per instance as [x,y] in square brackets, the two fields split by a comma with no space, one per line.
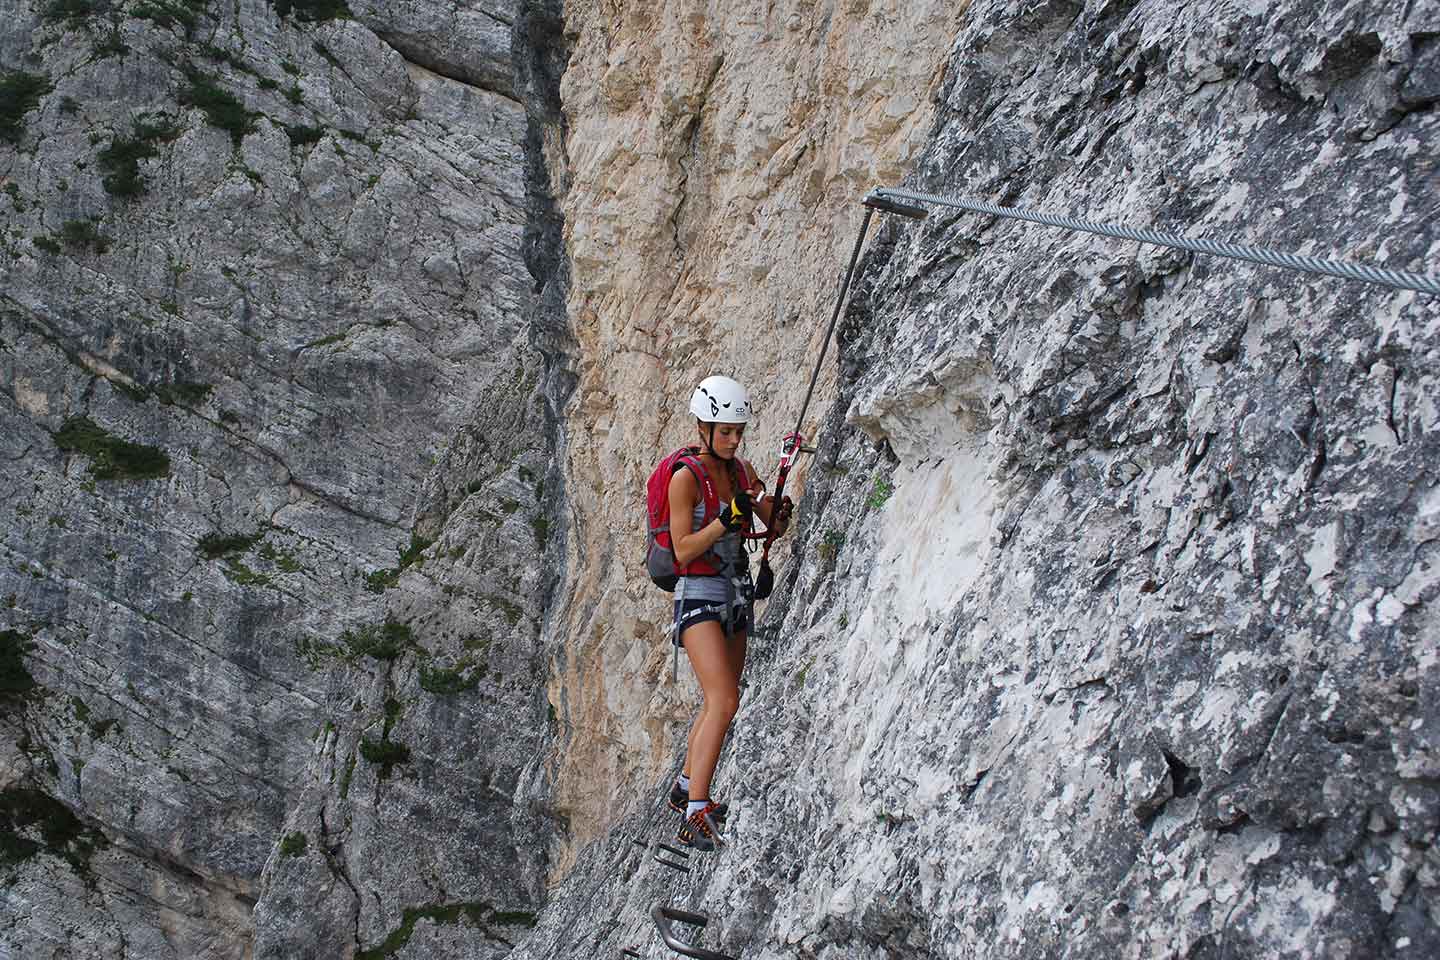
[1398,279]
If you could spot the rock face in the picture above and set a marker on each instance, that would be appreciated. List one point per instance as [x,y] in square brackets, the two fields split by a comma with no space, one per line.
[1112,627]
[714,151]
[274,469]
[336,343]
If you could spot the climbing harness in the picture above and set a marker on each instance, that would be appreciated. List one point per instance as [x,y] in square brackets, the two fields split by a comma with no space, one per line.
[1345,270]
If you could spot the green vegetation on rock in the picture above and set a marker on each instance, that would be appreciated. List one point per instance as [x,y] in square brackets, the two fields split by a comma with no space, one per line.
[111,457]
[184,393]
[221,108]
[121,160]
[169,13]
[58,10]
[386,753]
[15,680]
[378,581]
[474,914]
[19,94]
[293,844]
[448,681]
[84,233]
[301,135]
[384,641]
[879,493]
[313,11]
[33,822]
[213,546]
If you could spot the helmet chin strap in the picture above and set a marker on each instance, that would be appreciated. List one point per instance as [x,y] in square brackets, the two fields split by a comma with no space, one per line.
[710,445]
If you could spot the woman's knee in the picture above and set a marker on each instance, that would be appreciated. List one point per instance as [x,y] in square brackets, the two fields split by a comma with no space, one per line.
[723,703]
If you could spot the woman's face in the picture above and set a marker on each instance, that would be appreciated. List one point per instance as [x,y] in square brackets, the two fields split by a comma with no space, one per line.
[727,437]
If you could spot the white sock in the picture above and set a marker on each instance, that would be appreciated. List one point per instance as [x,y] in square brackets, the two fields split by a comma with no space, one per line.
[683,782]
[695,806]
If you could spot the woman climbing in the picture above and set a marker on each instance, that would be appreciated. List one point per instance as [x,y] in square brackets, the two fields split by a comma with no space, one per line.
[712,497]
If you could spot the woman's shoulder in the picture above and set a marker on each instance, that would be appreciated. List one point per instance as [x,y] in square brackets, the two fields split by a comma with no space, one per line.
[683,479]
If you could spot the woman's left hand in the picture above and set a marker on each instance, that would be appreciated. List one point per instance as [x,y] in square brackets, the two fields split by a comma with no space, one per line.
[781,516]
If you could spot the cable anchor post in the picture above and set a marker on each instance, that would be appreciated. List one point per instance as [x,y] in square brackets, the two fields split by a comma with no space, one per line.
[877,200]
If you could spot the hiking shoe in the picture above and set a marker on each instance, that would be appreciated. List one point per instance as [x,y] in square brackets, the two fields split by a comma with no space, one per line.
[680,799]
[701,831]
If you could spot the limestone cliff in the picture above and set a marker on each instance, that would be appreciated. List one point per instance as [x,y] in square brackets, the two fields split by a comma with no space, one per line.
[337,338]
[1111,625]
[275,477]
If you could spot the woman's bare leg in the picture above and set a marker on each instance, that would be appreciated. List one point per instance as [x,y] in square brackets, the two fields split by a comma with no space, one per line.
[736,653]
[713,660]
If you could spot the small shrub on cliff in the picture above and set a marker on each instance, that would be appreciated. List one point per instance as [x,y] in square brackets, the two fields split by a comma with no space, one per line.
[301,135]
[380,642]
[121,160]
[221,107]
[213,546]
[84,233]
[384,753]
[19,94]
[879,493]
[169,13]
[313,11]
[15,680]
[60,10]
[448,681]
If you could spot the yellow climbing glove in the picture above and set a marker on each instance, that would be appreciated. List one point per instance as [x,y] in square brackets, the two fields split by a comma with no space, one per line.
[736,513]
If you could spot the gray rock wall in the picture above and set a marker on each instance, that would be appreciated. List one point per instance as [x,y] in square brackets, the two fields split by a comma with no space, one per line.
[275,483]
[332,337]
[1113,630]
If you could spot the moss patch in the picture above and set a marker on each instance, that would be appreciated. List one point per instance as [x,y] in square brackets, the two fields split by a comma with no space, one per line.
[384,641]
[15,680]
[33,822]
[121,159]
[170,13]
[293,844]
[111,458]
[213,546]
[473,914]
[378,581]
[221,107]
[448,681]
[312,11]
[19,94]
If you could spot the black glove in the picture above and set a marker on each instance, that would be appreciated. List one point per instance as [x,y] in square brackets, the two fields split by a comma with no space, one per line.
[736,512]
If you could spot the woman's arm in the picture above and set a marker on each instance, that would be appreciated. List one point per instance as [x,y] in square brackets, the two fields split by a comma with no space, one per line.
[689,545]
[756,488]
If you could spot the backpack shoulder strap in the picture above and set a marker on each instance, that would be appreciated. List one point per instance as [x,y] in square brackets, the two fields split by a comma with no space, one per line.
[687,456]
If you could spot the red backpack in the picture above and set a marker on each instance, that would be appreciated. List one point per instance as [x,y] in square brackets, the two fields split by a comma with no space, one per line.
[659,550]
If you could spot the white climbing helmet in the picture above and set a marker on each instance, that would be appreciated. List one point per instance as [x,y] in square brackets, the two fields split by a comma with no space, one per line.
[720,400]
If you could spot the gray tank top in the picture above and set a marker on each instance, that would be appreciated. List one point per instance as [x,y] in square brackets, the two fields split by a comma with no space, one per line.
[716,588]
